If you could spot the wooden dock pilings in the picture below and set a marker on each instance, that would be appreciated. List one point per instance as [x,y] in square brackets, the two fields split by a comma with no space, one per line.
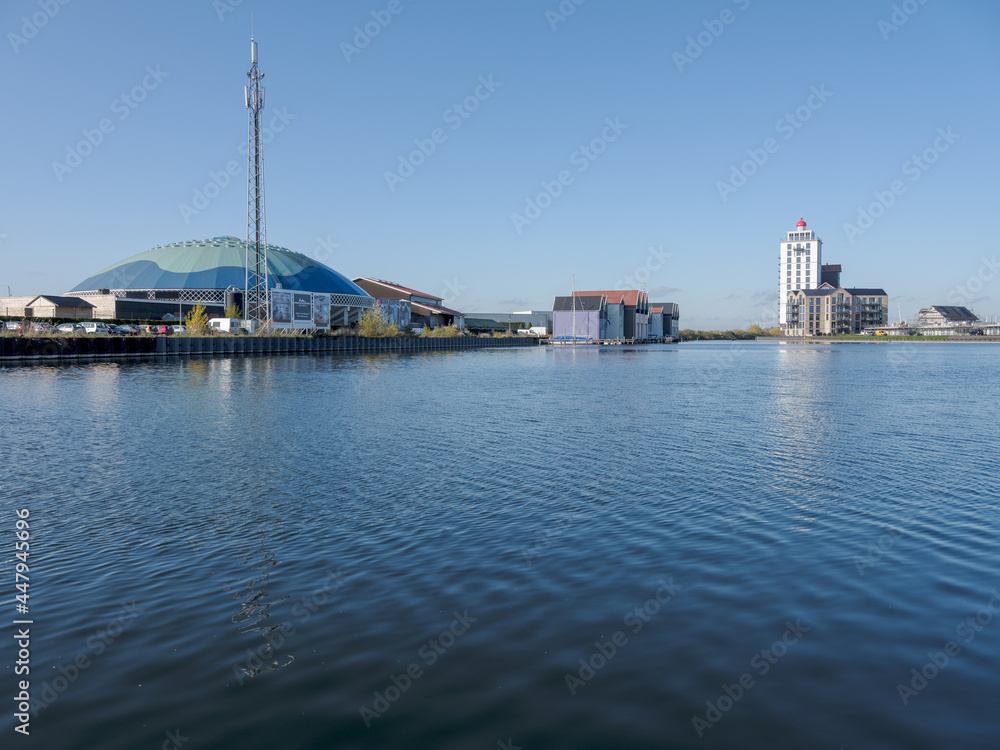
[35,348]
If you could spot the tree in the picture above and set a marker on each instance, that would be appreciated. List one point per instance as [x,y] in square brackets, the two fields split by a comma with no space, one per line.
[196,321]
[232,311]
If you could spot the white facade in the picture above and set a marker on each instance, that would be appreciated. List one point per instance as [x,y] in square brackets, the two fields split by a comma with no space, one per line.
[800,257]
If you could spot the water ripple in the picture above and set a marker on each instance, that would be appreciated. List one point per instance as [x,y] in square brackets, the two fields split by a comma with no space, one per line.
[253,551]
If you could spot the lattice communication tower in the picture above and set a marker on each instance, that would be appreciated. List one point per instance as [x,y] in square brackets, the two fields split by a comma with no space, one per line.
[256,298]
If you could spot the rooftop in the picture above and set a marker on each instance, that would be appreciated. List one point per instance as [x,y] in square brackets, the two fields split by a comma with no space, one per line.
[216,263]
[582,303]
[631,297]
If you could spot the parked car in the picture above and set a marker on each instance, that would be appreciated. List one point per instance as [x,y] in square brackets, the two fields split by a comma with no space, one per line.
[95,327]
[42,327]
[129,330]
[416,328]
[12,325]
[69,328]
[163,330]
[179,329]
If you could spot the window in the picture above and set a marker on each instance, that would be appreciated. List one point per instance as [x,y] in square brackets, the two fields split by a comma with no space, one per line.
[808,244]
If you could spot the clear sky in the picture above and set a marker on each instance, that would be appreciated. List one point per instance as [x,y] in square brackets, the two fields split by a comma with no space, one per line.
[665,143]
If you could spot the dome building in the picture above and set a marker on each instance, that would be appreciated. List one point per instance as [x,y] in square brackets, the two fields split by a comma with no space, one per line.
[168,281]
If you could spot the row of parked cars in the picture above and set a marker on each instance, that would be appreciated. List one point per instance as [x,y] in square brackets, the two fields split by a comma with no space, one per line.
[94,327]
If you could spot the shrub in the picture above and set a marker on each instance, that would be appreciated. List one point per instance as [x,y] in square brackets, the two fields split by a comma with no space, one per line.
[375,323]
[443,332]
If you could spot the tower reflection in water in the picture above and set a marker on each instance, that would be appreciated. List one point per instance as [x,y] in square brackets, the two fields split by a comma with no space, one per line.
[254,617]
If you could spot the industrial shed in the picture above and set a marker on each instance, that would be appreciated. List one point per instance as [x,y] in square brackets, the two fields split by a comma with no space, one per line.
[52,306]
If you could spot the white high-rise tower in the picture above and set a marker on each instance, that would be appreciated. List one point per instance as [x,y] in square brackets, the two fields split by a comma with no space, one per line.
[800,259]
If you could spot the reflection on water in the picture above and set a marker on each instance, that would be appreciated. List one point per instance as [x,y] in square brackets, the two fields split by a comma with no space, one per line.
[254,616]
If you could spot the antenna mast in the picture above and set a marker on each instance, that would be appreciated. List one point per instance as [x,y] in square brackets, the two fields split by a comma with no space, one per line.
[255,300]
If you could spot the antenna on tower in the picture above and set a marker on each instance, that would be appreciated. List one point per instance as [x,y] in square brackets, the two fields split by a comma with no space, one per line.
[256,294]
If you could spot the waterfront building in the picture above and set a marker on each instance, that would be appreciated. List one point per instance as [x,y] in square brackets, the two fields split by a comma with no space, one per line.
[827,311]
[580,317]
[616,318]
[944,320]
[634,312]
[670,314]
[656,321]
[800,257]
[425,309]
[945,315]
[166,282]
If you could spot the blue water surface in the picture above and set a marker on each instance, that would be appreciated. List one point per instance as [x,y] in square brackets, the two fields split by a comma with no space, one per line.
[706,545]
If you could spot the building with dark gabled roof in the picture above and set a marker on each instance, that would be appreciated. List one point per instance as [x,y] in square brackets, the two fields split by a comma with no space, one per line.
[46,306]
[57,306]
[937,315]
[584,318]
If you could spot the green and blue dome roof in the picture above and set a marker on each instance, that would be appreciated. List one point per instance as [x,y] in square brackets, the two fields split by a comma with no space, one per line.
[217,263]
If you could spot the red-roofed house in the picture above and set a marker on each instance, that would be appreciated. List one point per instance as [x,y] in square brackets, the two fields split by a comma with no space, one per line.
[664,320]
[656,321]
[635,312]
[425,309]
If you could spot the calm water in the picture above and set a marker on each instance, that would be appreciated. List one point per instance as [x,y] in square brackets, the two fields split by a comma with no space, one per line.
[752,543]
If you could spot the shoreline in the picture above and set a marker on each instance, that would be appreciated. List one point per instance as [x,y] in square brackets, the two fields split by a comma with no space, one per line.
[883,340]
[30,349]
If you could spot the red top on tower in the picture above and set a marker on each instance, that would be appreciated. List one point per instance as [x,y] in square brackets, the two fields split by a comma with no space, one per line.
[801,223]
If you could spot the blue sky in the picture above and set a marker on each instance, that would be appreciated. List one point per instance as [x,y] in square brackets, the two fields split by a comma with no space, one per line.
[670,144]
